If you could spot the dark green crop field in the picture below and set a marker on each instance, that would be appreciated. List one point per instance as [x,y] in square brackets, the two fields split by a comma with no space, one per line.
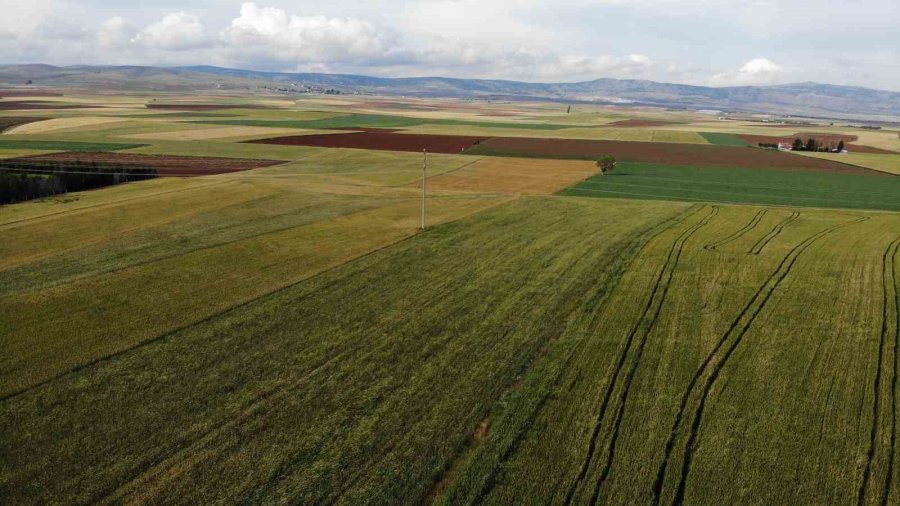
[724,139]
[748,186]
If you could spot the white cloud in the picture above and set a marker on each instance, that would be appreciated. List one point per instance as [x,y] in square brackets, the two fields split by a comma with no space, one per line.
[114,32]
[176,32]
[754,72]
[275,34]
[22,18]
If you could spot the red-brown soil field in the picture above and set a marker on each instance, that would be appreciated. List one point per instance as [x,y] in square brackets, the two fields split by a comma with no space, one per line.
[14,105]
[202,107]
[662,153]
[639,123]
[29,93]
[380,140]
[166,165]
[820,138]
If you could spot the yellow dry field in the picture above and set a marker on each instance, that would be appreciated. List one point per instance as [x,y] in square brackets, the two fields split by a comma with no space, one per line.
[201,134]
[592,133]
[514,176]
[57,124]
[875,161]
[881,139]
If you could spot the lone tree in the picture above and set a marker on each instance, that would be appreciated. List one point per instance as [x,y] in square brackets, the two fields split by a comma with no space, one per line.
[840,147]
[606,164]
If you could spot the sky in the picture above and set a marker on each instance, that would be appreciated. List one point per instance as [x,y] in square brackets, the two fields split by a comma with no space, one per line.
[704,42]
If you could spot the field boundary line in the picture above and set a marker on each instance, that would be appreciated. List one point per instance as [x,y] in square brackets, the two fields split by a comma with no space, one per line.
[764,241]
[756,304]
[889,312]
[740,232]
[668,265]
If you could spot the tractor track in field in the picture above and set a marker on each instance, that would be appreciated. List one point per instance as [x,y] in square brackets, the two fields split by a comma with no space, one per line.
[751,310]
[757,248]
[889,312]
[739,233]
[649,315]
[652,233]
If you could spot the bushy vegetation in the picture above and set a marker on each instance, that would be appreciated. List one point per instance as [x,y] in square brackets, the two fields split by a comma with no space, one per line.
[24,180]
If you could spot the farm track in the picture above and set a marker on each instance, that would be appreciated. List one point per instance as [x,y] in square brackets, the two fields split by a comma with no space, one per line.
[739,233]
[757,248]
[738,328]
[644,324]
[890,318]
[595,303]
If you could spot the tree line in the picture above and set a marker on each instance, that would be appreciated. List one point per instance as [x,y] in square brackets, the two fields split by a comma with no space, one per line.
[814,145]
[22,180]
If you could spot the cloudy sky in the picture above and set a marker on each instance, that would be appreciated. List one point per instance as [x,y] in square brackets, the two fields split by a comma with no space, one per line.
[710,42]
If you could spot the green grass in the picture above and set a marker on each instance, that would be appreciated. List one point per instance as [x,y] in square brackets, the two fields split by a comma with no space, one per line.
[288,335]
[50,145]
[692,184]
[358,383]
[724,139]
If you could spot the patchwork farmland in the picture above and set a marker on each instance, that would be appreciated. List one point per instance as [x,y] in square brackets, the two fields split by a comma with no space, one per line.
[710,322]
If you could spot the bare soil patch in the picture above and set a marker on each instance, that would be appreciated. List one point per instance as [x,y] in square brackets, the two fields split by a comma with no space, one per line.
[14,105]
[203,107]
[29,93]
[380,140]
[166,165]
[662,153]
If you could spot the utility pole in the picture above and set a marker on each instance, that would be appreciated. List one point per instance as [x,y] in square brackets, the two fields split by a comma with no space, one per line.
[424,183]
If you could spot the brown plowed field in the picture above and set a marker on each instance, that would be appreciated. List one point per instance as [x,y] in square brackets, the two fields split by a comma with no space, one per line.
[661,153]
[384,141]
[820,138]
[166,165]
[21,105]
[202,107]
[639,123]
[29,93]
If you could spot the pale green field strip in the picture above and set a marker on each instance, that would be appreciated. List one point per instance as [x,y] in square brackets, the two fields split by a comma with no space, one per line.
[416,321]
[596,133]
[884,163]
[180,283]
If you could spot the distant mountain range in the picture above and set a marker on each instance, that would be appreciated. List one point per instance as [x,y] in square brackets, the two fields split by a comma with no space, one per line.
[801,99]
